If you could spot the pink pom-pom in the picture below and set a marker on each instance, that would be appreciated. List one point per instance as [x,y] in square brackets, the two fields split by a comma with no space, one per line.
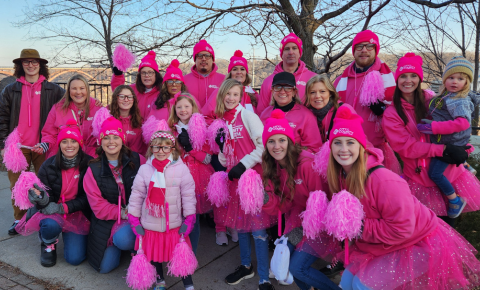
[277,114]
[428,94]
[151,126]
[14,159]
[320,160]
[122,58]
[100,116]
[344,216]
[314,214]
[212,134]
[141,274]
[183,262]
[238,53]
[217,189]
[373,89]
[20,190]
[175,63]
[250,191]
[197,131]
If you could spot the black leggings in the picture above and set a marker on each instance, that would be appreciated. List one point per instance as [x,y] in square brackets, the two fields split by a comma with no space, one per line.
[187,281]
[451,222]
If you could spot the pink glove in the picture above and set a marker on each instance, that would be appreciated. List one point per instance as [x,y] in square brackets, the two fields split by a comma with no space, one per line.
[136,226]
[188,224]
[469,151]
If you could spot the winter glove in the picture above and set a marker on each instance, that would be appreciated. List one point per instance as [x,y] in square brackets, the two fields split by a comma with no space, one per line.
[188,224]
[425,128]
[41,200]
[378,108]
[454,154]
[426,121]
[295,236]
[136,226]
[116,71]
[220,139]
[53,208]
[236,171]
[184,140]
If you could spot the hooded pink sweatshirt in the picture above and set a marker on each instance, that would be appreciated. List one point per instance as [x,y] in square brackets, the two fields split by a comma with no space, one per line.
[201,87]
[29,120]
[302,75]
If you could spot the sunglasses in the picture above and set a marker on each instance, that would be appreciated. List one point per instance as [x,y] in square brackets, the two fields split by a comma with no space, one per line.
[285,88]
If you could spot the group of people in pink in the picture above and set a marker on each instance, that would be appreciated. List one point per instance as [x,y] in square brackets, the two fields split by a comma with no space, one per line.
[137,175]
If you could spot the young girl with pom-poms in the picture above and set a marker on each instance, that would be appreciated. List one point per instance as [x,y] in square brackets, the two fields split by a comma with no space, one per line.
[403,245]
[163,198]
[190,128]
[288,179]
[242,150]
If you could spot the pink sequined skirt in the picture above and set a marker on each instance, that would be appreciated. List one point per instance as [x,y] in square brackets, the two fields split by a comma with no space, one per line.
[158,247]
[73,222]
[442,260]
[390,161]
[201,174]
[466,186]
[324,247]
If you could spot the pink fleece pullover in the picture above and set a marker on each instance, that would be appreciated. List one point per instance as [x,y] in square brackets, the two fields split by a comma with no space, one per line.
[201,87]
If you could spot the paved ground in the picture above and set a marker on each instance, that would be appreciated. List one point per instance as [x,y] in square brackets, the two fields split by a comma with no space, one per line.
[23,253]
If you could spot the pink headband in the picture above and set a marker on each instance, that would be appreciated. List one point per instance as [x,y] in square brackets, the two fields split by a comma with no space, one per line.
[173,100]
[163,135]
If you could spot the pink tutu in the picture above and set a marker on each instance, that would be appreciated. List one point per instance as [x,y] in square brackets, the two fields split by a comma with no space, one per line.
[324,247]
[466,186]
[73,222]
[441,260]
[201,174]
[158,247]
[390,161]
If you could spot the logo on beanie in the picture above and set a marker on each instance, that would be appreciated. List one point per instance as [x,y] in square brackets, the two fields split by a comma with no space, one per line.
[373,41]
[276,128]
[408,66]
[208,49]
[72,133]
[345,131]
[145,63]
[175,76]
[238,61]
[291,38]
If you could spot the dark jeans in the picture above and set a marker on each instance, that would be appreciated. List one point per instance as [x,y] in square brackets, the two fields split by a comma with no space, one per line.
[187,281]
[435,172]
[195,235]
[123,240]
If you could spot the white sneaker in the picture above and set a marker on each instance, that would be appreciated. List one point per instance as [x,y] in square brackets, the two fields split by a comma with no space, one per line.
[233,234]
[221,239]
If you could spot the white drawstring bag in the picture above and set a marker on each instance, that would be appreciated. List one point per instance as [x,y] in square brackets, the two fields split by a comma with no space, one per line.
[281,261]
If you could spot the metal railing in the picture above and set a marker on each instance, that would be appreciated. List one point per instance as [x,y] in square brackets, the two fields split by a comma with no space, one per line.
[102,92]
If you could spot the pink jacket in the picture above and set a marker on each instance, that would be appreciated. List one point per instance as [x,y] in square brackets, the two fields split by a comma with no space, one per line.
[208,109]
[29,119]
[180,195]
[302,75]
[394,218]
[145,100]
[161,114]
[133,137]
[306,181]
[202,87]
[304,125]
[59,117]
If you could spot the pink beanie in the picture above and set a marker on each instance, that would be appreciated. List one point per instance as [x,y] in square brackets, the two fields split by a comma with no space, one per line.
[111,126]
[347,124]
[173,72]
[238,59]
[366,36]
[277,124]
[292,37]
[149,61]
[409,63]
[70,131]
[203,45]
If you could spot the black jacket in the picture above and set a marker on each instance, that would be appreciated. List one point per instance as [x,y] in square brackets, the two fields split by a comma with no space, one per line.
[10,100]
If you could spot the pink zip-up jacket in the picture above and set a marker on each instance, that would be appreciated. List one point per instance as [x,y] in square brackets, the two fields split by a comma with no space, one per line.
[202,87]
[59,117]
[133,137]
[304,125]
[145,100]
[179,193]
[394,218]
[302,75]
[29,120]
[208,109]
[306,181]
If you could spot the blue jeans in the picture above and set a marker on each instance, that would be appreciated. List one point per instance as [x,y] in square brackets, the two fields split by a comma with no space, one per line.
[435,172]
[75,245]
[261,249]
[305,276]
[123,240]
[350,282]
[195,235]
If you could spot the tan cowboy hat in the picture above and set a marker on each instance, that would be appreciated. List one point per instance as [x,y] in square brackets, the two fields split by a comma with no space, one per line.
[29,53]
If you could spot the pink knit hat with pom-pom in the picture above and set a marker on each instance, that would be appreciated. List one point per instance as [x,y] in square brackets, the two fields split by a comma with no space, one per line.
[238,59]
[173,71]
[149,61]
[70,131]
[277,124]
[111,126]
[409,63]
[203,45]
[348,124]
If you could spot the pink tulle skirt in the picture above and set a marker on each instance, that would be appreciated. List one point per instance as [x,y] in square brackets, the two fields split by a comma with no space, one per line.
[442,260]
[158,247]
[73,222]
[201,174]
[390,161]
[324,247]
[466,186]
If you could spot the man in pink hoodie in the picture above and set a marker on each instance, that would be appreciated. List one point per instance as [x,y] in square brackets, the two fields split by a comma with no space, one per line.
[25,105]
[204,78]
[290,51]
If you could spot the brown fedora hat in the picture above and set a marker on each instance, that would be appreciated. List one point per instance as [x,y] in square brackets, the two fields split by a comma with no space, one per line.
[29,53]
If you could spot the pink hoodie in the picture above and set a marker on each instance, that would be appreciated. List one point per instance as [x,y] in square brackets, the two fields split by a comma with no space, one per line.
[133,137]
[302,75]
[161,114]
[208,109]
[29,120]
[59,117]
[304,125]
[202,87]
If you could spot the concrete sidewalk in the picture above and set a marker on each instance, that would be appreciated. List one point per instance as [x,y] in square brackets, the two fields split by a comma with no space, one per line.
[215,262]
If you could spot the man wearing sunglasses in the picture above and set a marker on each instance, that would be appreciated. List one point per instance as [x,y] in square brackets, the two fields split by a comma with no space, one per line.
[25,105]
[204,78]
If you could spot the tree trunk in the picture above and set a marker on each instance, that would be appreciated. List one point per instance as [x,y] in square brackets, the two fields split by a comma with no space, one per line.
[309,50]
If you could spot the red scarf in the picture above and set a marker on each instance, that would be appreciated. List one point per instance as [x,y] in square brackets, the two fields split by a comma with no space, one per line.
[156,195]
[230,114]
